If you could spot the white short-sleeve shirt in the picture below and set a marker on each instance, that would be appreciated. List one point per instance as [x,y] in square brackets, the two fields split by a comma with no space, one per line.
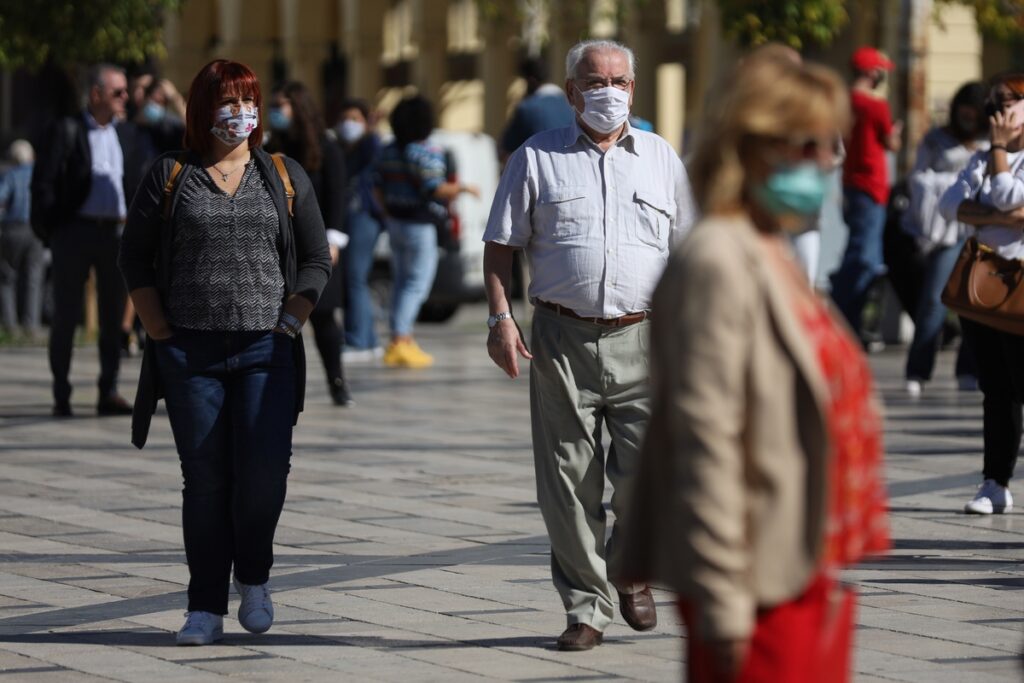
[596,226]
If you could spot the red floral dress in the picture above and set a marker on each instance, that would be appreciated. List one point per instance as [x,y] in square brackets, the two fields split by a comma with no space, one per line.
[856,525]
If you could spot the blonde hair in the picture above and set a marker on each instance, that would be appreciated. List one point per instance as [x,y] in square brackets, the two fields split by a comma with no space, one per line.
[769,95]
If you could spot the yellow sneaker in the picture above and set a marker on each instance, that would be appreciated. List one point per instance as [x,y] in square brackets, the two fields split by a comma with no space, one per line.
[407,354]
[415,357]
[393,355]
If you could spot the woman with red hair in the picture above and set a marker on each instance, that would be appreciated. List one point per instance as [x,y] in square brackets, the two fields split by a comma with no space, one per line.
[989,194]
[224,254]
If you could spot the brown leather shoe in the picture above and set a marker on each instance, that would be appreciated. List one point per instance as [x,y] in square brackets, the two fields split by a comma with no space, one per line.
[113,404]
[579,637]
[638,609]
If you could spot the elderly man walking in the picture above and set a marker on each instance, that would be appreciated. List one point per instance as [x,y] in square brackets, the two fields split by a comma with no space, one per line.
[595,206]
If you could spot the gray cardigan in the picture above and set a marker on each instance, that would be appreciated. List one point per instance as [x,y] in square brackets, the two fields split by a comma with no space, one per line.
[145,258]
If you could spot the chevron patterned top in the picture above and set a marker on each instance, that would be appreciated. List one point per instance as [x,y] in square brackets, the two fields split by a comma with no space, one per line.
[226,267]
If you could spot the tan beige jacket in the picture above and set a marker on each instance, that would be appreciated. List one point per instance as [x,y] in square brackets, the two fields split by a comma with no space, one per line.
[729,503]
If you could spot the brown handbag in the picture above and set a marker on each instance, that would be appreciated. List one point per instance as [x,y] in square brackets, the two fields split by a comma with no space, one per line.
[987,288]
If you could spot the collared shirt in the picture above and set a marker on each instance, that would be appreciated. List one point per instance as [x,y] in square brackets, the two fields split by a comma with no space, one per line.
[106,193]
[596,226]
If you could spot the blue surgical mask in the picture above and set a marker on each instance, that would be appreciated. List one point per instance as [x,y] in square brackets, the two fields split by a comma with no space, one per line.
[793,190]
[278,119]
[350,130]
[153,113]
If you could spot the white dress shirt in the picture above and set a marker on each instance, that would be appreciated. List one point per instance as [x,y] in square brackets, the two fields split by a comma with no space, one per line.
[1004,191]
[106,199]
[596,226]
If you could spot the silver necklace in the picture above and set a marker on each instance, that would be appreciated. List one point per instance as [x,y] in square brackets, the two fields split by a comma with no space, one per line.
[224,176]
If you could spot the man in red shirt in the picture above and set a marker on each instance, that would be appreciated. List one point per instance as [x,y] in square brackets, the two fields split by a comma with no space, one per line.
[865,183]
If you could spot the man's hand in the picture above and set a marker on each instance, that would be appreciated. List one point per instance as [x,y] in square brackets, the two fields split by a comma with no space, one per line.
[504,342]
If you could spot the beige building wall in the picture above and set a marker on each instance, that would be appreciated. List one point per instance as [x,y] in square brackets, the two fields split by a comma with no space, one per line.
[955,57]
[466,63]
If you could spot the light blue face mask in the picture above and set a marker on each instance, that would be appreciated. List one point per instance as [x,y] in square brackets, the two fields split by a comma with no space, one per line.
[278,119]
[153,113]
[798,189]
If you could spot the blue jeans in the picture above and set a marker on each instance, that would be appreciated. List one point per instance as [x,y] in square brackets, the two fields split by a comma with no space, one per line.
[230,398]
[931,314]
[413,266]
[357,261]
[862,261]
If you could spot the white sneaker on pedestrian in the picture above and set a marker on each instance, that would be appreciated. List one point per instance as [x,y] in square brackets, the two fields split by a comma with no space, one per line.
[201,628]
[914,387]
[353,355]
[256,613]
[991,498]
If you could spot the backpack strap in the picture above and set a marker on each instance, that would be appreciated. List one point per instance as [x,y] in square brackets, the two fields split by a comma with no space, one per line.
[169,185]
[282,171]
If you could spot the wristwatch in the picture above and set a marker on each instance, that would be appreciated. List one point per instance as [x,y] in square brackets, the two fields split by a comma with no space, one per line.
[497,318]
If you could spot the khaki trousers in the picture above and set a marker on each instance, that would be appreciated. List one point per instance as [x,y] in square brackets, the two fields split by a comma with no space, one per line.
[585,377]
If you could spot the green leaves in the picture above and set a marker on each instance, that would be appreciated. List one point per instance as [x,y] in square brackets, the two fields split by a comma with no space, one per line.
[76,32]
[795,23]
[1002,20]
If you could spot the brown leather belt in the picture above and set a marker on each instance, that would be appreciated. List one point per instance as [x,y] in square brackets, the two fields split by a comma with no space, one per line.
[621,321]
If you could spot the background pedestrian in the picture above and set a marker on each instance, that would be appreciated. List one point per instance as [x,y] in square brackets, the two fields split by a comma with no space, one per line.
[80,186]
[942,154]
[297,129]
[22,269]
[865,183]
[363,224]
[411,181]
[989,194]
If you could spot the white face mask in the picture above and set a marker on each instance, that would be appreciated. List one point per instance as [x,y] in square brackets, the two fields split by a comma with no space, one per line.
[605,109]
[235,128]
[350,130]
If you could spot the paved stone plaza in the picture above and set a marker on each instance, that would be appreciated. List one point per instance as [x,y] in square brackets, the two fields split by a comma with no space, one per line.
[411,547]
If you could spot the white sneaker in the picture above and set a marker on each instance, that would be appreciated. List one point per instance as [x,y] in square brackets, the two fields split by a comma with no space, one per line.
[353,355]
[201,628]
[256,613]
[991,498]
[914,388]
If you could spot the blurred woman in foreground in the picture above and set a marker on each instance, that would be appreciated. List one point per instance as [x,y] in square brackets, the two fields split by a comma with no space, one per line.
[760,477]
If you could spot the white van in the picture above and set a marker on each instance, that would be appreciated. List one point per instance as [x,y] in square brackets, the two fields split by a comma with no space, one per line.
[460,270]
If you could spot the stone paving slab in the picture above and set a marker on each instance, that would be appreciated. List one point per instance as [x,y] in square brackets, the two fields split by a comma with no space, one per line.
[411,547]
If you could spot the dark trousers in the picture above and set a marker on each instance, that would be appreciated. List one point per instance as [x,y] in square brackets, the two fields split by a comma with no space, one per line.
[76,248]
[999,357]
[230,398]
[329,338]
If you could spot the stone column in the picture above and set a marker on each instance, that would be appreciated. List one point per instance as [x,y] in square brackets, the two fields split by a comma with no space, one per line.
[430,35]
[362,40]
[498,63]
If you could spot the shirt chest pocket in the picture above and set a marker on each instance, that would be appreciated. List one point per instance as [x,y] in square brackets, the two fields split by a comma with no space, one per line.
[564,211]
[652,218]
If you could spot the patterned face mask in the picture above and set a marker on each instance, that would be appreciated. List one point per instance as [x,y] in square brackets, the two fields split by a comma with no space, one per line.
[233,124]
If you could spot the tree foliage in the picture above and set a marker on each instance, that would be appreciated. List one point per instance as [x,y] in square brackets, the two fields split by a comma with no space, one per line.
[1002,20]
[67,32]
[795,23]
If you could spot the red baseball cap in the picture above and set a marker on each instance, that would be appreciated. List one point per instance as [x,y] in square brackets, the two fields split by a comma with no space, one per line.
[868,58]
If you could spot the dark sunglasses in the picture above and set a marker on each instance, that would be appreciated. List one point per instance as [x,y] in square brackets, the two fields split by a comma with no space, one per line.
[120,92]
